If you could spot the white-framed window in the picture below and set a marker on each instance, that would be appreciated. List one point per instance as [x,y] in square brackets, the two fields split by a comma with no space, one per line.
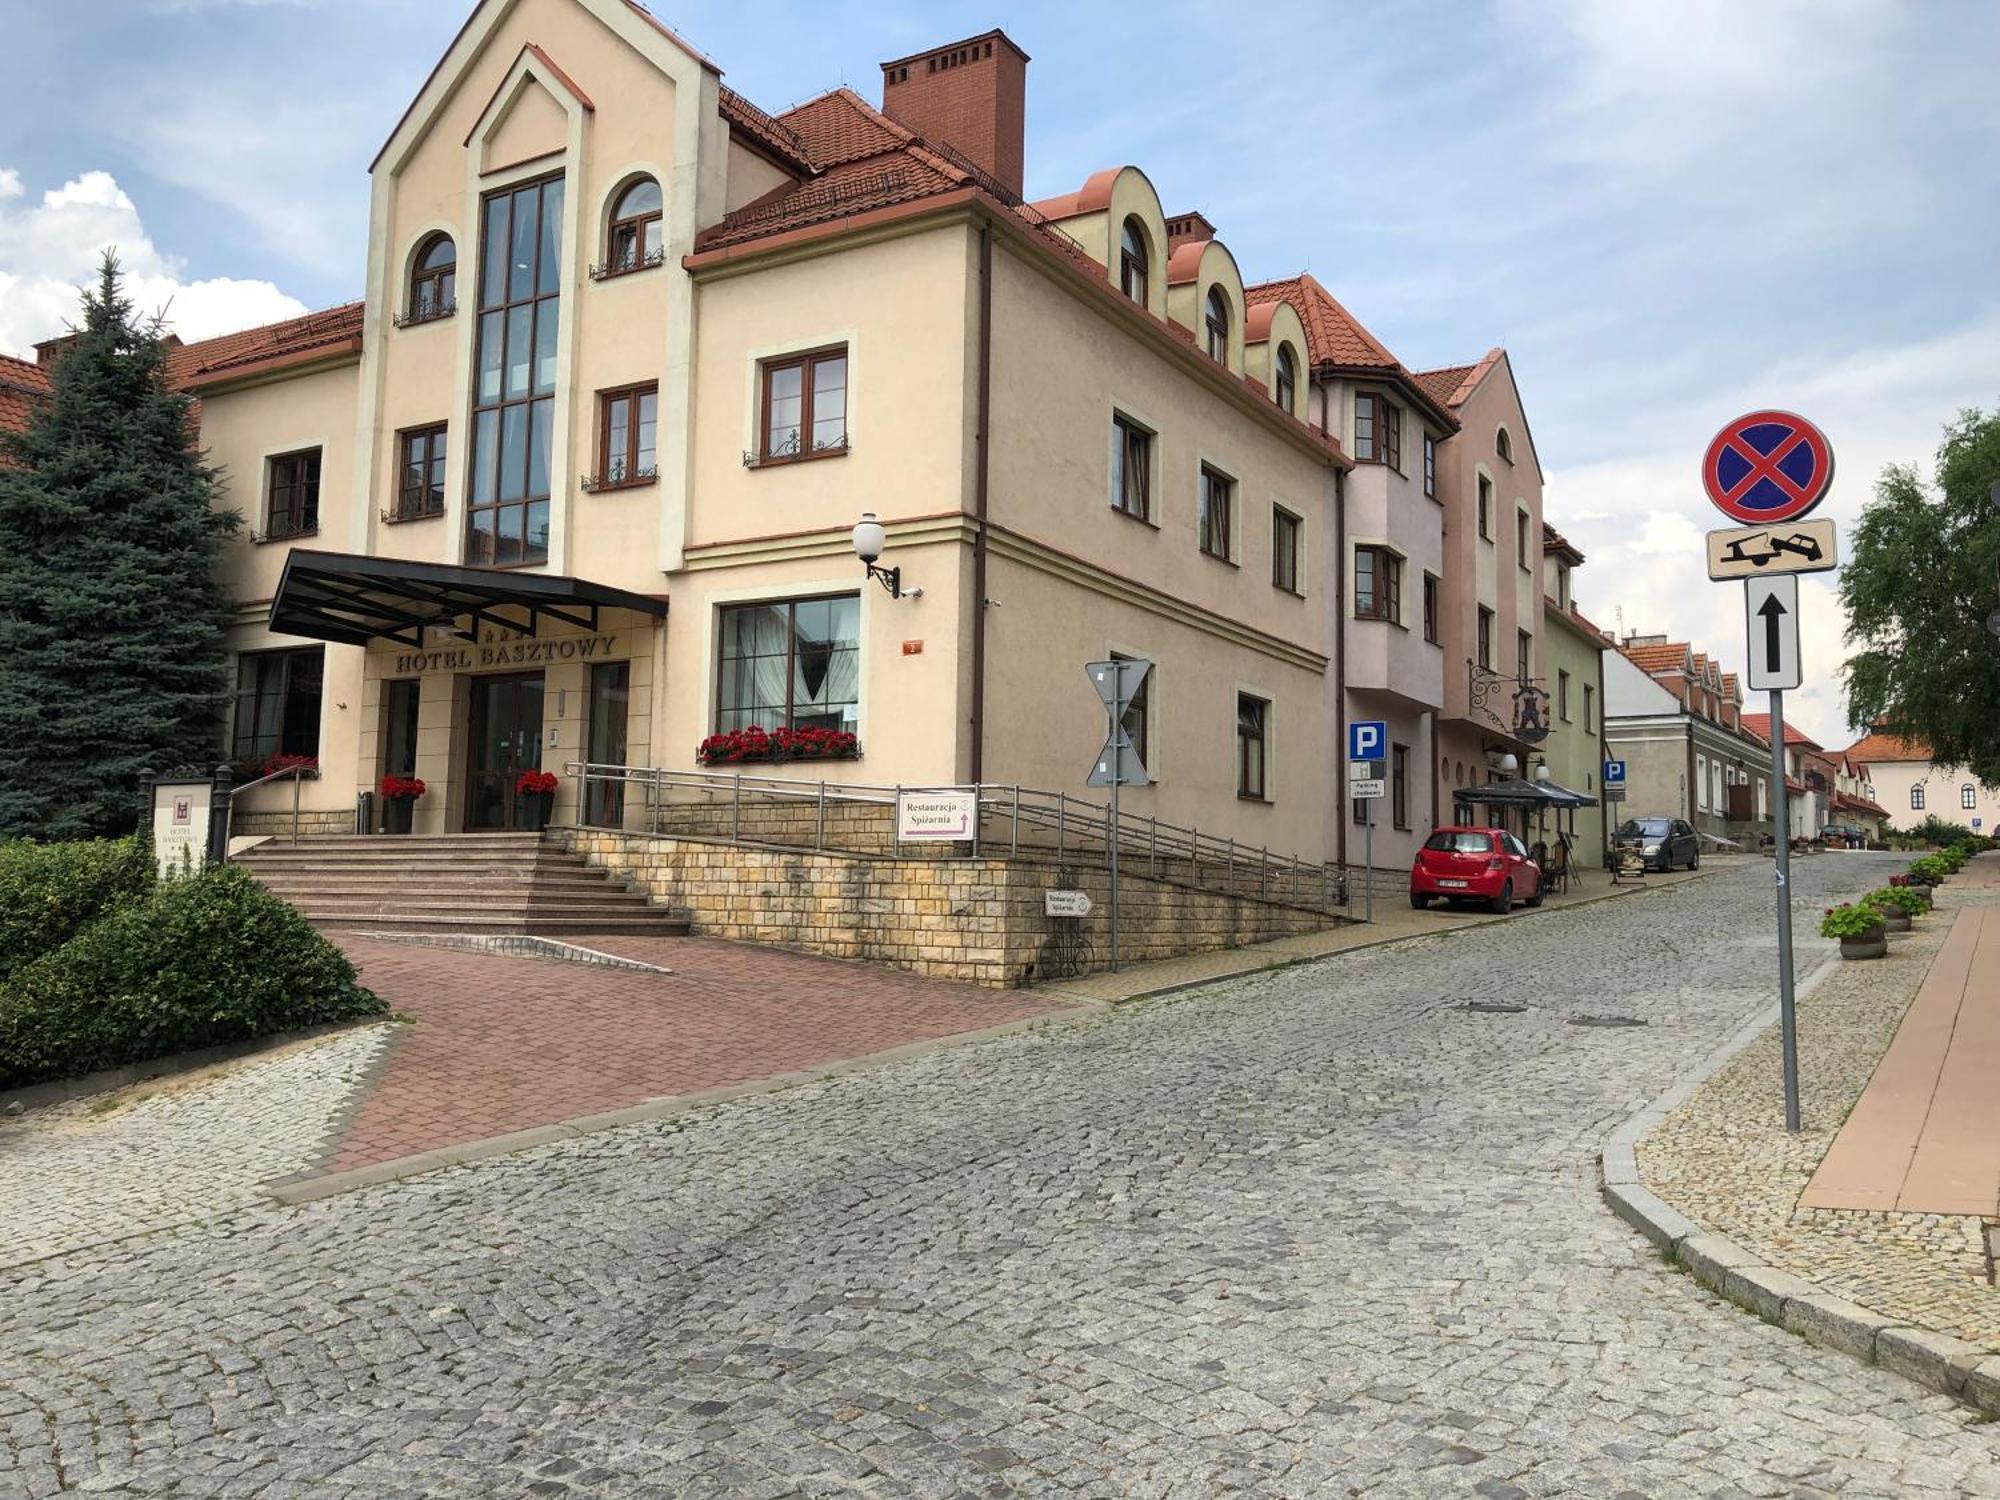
[1916,798]
[1701,782]
[1968,796]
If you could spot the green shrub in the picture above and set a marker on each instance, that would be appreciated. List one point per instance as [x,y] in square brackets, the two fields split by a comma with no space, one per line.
[1928,869]
[1850,921]
[50,892]
[205,959]
[1898,898]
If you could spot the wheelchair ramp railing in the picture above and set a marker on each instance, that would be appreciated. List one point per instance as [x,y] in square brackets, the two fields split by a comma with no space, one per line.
[1013,822]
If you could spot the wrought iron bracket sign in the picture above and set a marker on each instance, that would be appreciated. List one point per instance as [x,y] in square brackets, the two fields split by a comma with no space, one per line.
[1519,706]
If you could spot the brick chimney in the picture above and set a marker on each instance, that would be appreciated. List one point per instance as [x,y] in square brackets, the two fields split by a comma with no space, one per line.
[971,95]
[48,351]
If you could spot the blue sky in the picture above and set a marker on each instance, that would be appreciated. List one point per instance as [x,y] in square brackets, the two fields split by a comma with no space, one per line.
[1668,214]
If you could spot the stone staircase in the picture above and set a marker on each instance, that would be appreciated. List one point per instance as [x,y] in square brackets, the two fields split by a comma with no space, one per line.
[469,882]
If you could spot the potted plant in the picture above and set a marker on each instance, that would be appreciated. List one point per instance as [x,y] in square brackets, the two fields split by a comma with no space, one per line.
[1860,929]
[399,796]
[536,791]
[1927,870]
[1898,904]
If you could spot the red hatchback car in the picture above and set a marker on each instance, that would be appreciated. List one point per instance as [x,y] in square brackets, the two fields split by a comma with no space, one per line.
[1475,864]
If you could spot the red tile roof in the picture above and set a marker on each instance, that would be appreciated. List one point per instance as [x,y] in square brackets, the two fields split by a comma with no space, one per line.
[1761,724]
[1652,660]
[764,132]
[1452,385]
[24,386]
[1554,541]
[335,330]
[1877,748]
[1334,336]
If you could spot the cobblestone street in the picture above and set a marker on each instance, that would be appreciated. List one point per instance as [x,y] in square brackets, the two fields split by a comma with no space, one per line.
[1322,1231]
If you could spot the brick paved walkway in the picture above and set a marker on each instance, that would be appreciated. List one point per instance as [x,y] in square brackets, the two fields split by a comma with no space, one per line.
[502,1044]
[1925,1136]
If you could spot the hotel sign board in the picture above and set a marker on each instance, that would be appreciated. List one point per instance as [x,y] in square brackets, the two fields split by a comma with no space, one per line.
[180,825]
[942,817]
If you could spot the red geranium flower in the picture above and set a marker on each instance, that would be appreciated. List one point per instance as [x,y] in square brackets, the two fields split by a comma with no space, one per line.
[534,783]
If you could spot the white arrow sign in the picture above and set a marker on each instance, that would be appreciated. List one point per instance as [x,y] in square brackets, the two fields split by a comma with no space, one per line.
[1771,625]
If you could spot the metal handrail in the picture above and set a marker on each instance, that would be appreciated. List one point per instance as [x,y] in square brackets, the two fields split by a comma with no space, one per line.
[298,775]
[1080,826]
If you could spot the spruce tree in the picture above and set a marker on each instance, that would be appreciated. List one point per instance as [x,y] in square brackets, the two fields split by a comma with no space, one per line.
[111,612]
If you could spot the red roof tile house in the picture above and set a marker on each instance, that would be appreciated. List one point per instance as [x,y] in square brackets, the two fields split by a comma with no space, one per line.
[1910,788]
[1691,752]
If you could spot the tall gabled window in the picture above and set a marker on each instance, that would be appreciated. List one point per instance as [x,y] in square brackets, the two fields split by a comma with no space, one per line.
[1131,468]
[1285,550]
[1524,656]
[1364,429]
[420,490]
[628,423]
[1134,260]
[1218,495]
[1431,608]
[1562,695]
[1589,708]
[1968,796]
[1484,647]
[1252,720]
[1218,325]
[1285,384]
[1522,550]
[514,375]
[1430,466]
[636,241]
[1399,786]
[1485,508]
[1392,433]
[1916,799]
[433,280]
[292,504]
[1503,444]
[805,406]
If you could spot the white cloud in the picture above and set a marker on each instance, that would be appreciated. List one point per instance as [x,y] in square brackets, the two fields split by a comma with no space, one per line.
[51,248]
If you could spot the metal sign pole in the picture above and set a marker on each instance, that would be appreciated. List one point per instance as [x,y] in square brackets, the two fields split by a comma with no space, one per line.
[1788,1026]
[1116,782]
[1368,854]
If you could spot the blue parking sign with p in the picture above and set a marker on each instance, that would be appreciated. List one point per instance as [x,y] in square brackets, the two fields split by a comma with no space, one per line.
[1367,739]
[1614,773]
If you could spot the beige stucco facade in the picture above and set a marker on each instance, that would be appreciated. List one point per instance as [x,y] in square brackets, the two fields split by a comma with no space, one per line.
[983,369]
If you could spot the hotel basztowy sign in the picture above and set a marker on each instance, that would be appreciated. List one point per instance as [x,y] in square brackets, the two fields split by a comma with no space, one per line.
[507,652]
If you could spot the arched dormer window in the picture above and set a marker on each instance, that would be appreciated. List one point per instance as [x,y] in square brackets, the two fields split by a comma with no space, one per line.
[636,239]
[1134,261]
[1503,444]
[433,280]
[1285,380]
[1218,325]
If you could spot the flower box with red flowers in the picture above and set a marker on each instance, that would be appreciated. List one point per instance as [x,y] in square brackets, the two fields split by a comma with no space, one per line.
[402,788]
[741,746]
[535,784]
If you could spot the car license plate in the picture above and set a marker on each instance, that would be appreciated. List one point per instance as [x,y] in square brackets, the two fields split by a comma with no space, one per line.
[1457,885]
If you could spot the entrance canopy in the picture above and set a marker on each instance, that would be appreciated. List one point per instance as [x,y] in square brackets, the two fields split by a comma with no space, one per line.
[346,597]
[1517,793]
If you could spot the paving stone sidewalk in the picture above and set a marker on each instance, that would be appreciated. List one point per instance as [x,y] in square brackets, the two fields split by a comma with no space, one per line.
[1725,1159]
[174,1151]
[1318,1232]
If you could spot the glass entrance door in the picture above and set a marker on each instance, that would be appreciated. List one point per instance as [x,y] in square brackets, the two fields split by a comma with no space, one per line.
[506,739]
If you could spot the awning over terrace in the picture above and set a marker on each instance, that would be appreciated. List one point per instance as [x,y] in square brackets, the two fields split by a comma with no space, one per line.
[352,599]
[1517,793]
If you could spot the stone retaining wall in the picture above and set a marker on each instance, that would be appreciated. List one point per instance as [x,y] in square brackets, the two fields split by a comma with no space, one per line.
[977,920]
[279,824]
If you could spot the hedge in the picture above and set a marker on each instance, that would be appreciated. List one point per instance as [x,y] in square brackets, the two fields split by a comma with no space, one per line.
[50,892]
[203,959]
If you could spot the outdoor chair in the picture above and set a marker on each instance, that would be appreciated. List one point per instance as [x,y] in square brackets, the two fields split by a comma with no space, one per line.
[1559,871]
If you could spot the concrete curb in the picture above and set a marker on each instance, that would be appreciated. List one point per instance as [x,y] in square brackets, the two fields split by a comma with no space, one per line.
[1061,989]
[173,1065]
[309,1186]
[1967,1372]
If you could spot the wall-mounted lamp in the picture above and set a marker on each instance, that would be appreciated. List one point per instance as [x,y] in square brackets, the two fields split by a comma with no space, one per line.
[1508,764]
[869,539]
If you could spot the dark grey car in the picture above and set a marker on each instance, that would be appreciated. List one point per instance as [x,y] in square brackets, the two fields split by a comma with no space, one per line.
[1663,843]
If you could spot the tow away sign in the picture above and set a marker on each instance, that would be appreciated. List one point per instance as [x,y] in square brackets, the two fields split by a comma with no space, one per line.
[1794,547]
